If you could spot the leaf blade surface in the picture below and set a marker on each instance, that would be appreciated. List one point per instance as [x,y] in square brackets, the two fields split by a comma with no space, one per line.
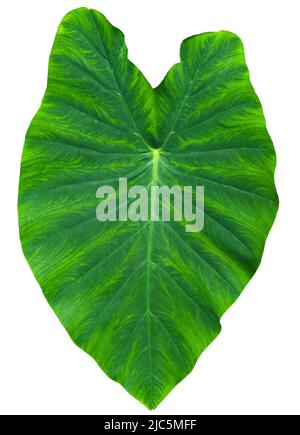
[144,299]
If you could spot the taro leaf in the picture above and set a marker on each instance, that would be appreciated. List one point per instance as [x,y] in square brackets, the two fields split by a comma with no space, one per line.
[144,299]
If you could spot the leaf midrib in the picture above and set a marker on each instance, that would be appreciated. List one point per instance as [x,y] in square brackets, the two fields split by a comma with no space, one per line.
[150,236]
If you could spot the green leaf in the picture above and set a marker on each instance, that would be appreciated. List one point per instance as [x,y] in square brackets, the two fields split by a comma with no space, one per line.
[145,299]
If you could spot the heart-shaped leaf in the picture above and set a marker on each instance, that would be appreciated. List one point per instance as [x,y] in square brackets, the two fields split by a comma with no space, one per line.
[144,298]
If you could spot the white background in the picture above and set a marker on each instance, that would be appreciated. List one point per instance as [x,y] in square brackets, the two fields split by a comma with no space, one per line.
[254,365]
